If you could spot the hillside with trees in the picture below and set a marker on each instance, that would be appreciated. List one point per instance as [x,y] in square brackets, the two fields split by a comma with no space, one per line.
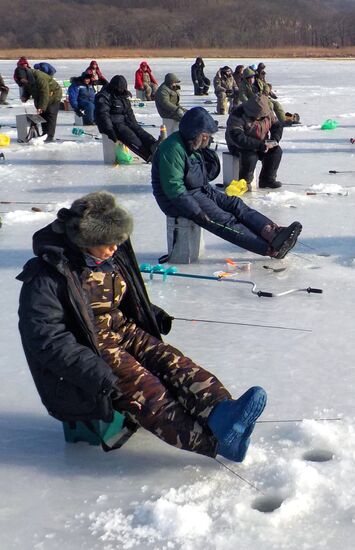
[177,23]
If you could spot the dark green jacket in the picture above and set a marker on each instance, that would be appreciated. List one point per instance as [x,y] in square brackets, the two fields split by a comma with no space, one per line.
[43,89]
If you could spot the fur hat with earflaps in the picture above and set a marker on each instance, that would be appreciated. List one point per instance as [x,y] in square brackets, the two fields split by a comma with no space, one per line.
[96,219]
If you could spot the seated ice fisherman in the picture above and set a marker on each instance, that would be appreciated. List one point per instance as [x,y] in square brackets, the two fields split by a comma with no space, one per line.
[93,341]
[182,168]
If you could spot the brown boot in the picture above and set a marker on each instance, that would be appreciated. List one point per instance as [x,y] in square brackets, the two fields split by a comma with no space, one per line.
[269,232]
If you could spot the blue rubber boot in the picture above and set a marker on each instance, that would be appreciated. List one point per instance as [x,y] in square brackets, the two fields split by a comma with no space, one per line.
[232,422]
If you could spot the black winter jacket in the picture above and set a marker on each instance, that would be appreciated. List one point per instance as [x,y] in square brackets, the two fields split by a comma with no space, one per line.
[114,110]
[57,332]
[239,132]
[197,73]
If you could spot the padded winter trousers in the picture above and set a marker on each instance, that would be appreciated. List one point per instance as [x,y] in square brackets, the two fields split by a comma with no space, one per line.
[89,111]
[140,144]
[241,225]
[270,163]
[157,386]
[165,392]
[50,115]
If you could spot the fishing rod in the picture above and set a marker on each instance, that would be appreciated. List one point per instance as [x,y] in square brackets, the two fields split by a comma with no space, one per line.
[294,420]
[241,324]
[240,477]
[26,202]
[341,171]
[172,271]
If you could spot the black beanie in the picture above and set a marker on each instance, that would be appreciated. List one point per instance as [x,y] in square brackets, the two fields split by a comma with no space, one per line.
[95,219]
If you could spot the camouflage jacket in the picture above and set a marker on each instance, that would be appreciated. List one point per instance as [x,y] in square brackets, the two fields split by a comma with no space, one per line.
[222,83]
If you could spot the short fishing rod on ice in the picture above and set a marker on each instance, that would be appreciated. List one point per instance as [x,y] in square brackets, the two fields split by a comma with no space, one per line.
[172,271]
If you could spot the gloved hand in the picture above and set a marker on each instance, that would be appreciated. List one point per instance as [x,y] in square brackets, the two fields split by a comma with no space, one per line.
[201,218]
[78,112]
[163,319]
[229,93]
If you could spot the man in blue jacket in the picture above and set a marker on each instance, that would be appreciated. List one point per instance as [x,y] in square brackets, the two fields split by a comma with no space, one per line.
[82,98]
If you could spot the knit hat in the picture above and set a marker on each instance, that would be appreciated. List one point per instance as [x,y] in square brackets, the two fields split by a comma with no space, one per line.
[96,219]
[248,73]
[195,121]
[86,75]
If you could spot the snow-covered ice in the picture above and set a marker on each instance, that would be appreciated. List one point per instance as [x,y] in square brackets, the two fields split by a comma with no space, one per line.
[148,495]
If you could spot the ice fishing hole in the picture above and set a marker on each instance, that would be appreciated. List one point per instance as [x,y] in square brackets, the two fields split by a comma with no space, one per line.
[318,455]
[267,503]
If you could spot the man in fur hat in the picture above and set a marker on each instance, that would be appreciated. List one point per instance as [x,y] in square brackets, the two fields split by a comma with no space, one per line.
[93,343]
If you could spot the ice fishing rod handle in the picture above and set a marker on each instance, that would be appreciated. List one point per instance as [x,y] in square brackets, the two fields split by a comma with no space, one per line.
[263,294]
[314,290]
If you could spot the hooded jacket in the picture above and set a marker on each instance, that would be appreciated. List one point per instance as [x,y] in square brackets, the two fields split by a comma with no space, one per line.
[96,75]
[57,332]
[139,77]
[178,172]
[78,91]
[167,100]
[250,124]
[197,73]
[113,108]
[224,83]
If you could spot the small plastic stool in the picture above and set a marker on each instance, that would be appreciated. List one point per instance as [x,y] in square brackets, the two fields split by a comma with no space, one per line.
[78,431]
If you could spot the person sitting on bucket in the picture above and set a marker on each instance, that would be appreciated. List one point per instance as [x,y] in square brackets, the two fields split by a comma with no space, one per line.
[145,82]
[93,342]
[181,170]
[167,102]
[253,133]
[115,118]
[97,78]
[82,98]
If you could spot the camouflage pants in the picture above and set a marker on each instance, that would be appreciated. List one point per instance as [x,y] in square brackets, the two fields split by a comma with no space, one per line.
[164,391]
[161,389]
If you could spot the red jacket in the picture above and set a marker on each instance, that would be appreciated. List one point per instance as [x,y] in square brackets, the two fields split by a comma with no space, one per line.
[139,76]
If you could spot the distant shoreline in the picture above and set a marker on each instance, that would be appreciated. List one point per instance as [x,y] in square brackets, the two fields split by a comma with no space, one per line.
[257,53]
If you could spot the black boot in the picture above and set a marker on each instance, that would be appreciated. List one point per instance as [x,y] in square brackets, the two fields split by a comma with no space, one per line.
[272,184]
[285,239]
